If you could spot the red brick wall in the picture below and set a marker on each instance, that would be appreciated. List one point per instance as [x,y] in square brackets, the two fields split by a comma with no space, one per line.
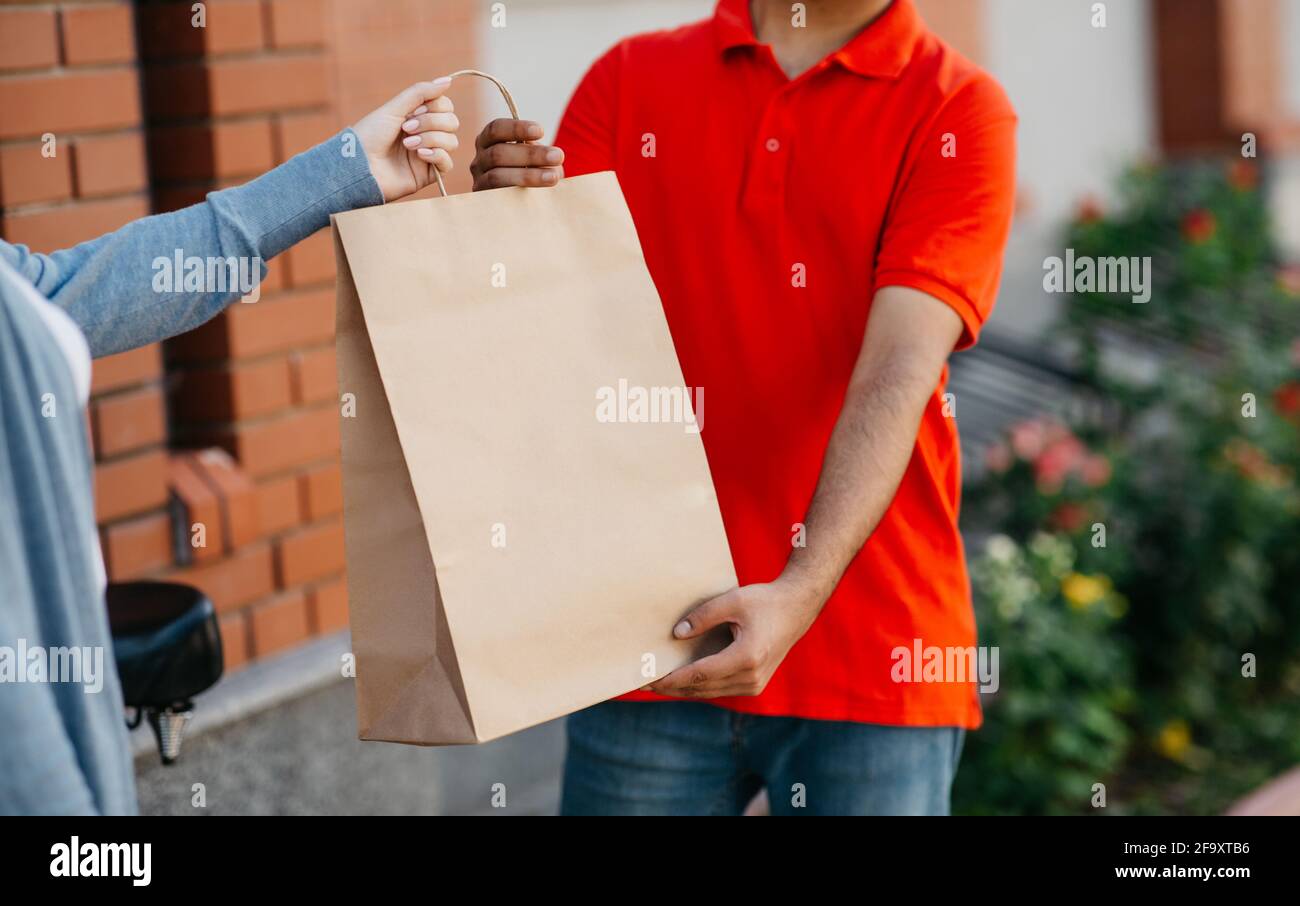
[233,426]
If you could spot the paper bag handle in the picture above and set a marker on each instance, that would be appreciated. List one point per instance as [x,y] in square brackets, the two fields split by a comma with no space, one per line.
[510,102]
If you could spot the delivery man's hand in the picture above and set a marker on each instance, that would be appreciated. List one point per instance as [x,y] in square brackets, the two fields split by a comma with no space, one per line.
[766,620]
[507,155]
[408,137]
[908,339]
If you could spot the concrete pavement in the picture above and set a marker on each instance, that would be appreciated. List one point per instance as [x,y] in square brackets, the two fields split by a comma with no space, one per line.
[302,757]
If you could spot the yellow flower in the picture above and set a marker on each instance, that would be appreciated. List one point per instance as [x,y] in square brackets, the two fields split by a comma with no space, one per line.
[1174,740]
[1084,591]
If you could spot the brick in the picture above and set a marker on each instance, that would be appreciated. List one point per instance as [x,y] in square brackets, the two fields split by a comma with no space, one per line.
[236,391]
[278,504]
[109,164]
[131,485]
[236,493]
[315,375]
[280,623]
[312,260]
[248,330]
[126,369]
[322,491]
[29,39]
[235,648]
[313,552]
[137,547]
[27,176]
[273,282]
[233,581]
[241,85]
[302,319]
[128,421]
[69,224]
[268,84]
[277,444]
[296,132]
[212,151]
[167,31]
[31,106]
[98,34]
[173,198]
[297,23]
[201,507]
[329,607]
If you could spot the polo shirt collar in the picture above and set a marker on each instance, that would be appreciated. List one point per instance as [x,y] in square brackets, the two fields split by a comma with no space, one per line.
[882,49]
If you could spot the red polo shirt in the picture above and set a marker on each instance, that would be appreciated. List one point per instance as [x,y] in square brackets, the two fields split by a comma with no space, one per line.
[770,211]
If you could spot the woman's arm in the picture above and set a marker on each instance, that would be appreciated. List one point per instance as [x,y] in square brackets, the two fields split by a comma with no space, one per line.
[123,289]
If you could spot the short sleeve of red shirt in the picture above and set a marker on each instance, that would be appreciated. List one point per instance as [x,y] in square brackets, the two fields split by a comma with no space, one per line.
[587,130]
[950,223]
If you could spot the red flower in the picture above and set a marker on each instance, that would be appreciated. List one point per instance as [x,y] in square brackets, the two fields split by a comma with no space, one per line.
[1027,439]
[1089,210]
[1254,464]
[1287,399]
[1061,458]
[997,458]
[1095,470]
[1242,175]
[1288,280]
[1069,517]
[1199,226]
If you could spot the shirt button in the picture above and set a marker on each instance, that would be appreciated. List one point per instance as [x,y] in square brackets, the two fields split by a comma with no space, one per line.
[773,145]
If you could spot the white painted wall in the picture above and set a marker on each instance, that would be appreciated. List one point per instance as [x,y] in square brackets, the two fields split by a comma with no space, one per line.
[1291,55]
[1085,95]
[547,45]
[1086,101]
[1285,174]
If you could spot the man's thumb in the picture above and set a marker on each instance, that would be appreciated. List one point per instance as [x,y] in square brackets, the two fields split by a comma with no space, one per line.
[713,612]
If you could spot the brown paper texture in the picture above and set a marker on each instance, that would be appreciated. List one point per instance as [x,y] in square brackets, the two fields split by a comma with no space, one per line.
[511,557]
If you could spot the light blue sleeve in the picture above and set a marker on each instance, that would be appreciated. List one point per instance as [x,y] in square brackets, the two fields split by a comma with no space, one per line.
[108,284]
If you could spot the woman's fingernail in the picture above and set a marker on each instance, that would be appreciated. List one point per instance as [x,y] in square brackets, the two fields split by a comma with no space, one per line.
[425,152]
[548,177]
[682,629]
[533,131]
[442,82]
[411,141]
[411,125]
[554,156]
[418,110]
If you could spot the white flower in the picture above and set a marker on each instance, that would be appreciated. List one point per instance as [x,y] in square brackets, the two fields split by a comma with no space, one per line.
[1000,549]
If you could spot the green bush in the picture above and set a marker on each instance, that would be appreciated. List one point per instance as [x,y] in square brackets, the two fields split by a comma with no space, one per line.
[1056,724]
[1186,501]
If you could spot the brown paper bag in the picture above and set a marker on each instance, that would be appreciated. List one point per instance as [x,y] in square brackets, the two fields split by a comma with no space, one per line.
[511,556]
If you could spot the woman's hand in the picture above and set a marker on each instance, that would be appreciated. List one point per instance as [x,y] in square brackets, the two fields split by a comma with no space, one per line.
[408,137]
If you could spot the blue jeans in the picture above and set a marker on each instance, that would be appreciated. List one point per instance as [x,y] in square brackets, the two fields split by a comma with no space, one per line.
[691,758]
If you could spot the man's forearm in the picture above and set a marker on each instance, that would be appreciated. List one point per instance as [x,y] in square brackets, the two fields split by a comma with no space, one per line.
[865,460]
[909,337]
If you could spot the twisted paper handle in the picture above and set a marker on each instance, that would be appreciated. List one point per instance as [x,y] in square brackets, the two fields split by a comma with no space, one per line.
[510,102]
